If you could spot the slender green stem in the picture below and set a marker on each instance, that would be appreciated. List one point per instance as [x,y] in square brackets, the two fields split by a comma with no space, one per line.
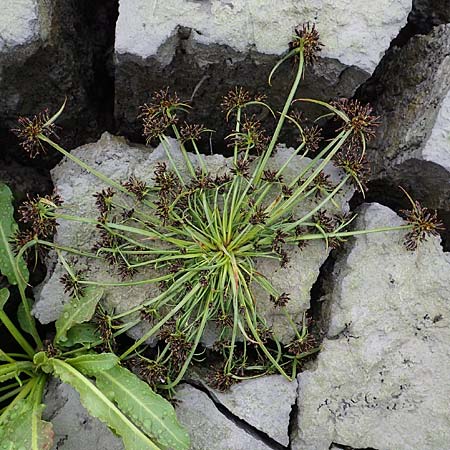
[263,161]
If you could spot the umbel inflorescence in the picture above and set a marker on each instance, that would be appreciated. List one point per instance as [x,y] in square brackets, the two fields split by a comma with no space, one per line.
[202,232]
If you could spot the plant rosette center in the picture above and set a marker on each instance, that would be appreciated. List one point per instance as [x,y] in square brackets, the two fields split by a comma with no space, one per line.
[243,249]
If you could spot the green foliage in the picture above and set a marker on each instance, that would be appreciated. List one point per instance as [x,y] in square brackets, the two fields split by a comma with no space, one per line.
[80,309]
[21,427]
[150,411]
[15,271]
[23,376]
[96,401]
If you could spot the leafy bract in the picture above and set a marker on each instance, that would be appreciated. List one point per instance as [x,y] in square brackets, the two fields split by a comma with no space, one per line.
[150,411]
[78,310]
[22,427]
[93,363]
[100,406]
[8,226]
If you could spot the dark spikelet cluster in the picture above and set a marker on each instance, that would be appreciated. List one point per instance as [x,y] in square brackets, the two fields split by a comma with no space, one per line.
[425,223]
[180,347]
[251,137]
[361,120]
[136,186]
[307,36]
[328,224]
[103,200]
[168,186]
[191,132]
[238,98]
[37,212]
[323,184]
[154,373]
[29,130]
[159,114]
[313,137]
[271,176]
[72,285]
[303,345]
[220,380]
[353,162]
[281,300]
[162,103]
[224,320]
[104,328]
[125,271]
[241,167]
[259,216]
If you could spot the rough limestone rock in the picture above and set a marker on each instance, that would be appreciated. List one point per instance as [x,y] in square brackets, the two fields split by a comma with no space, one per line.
[48,54]
[19,23]
[115,158]
[73,426]
[204,48]
[265,403]
[381,380]
[208,427]
[435,12]
[411,91]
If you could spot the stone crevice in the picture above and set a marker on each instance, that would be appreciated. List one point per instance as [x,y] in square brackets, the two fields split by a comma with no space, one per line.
[240,423]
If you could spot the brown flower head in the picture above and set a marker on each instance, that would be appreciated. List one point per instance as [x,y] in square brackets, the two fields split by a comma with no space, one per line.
[313,137]
[236,98]
[71,285]
[323,184]
[136,186]
[220,380]
[308,38]
[38,212]
[152,372]
[361,120]
[281,300]
[29,131]
[241,167]
[103,200]
[192,132]
[259,216]
[162,103]
[425,223]
[251,136]
[356,165]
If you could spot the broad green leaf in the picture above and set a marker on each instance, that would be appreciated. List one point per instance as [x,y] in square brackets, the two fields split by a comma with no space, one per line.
[4,296]
[8,227]
[78,310]
[98,405]
[26,321]
[22,428]
[93,363]
[151,412]
[84,334]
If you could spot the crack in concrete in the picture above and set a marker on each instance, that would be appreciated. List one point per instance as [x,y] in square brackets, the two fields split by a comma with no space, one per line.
[240,423]
[346,447]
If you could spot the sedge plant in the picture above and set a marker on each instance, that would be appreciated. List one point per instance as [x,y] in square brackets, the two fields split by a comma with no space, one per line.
[202,232]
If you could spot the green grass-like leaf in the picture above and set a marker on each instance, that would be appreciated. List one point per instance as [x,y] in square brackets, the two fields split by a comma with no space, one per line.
[8,226]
